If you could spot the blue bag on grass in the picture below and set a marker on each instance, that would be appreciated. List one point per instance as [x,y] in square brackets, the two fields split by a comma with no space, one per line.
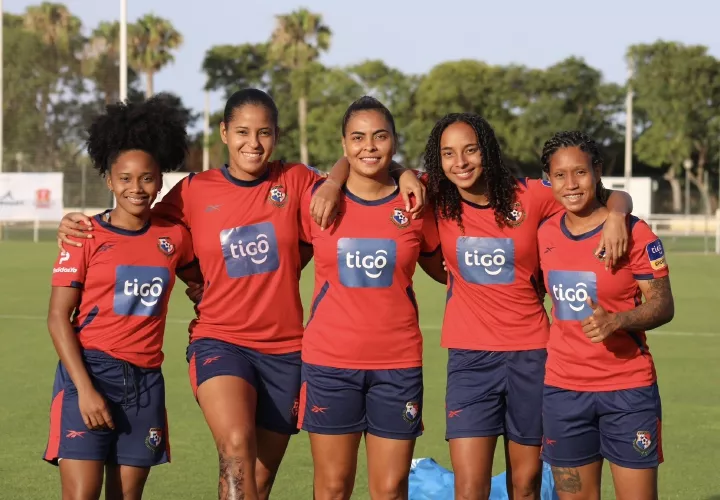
[430,481]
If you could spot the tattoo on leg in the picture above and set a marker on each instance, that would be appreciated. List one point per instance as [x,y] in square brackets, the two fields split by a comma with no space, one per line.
[567,479]
[231,484]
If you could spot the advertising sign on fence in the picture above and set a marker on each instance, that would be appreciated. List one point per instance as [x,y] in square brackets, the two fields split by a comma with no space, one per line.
[30,196]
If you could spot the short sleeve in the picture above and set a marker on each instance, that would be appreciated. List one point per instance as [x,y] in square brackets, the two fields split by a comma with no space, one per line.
[308,176]
[71,266]
[305,219]
[174,205]
[422,177]
[431,238]
[542,197]
[646,254]
[187,252]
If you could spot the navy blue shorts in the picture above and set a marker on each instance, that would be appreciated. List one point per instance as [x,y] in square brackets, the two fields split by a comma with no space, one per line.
[623,427]
[384,403]
[275,377]
[136,400]
[494,393]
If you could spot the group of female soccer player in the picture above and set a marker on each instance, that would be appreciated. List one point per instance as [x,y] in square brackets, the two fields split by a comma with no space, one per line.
[571,393]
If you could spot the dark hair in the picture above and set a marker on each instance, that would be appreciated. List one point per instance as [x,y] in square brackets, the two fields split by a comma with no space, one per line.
[367,103]
[154,126]
[501,183]
[250,96]
[575,139]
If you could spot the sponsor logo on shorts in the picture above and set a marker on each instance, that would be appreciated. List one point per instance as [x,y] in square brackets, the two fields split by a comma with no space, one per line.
[154,439]
[250,250]
[140,290]
[412,410]
[642,442]
[570,291]
[486,261]
[366,262]
[656,255]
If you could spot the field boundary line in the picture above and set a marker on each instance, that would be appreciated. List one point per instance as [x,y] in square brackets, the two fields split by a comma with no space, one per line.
[669,333]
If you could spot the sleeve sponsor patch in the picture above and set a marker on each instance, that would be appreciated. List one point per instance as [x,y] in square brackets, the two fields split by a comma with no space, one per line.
[546,183]
[656,255]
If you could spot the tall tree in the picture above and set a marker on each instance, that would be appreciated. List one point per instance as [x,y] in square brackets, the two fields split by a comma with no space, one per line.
[101,62]
[296,42]
[234,67]
[677,92]
[152,41]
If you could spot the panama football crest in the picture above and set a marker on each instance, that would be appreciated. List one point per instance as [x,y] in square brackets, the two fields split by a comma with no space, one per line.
[399,218]
[278,196]
[154,439]
[166,246]
[517,216]
[295,410]
[642,442]
[412,409]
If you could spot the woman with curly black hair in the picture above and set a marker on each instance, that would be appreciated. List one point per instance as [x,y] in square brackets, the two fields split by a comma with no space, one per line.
[107,312]
[495,325]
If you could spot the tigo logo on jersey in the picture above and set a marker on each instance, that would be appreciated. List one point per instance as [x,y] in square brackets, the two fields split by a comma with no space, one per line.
[366,262]
[486,261]
[656,254]
[140,290]
[250,250]
[278,196]
[570,291]
[399,218]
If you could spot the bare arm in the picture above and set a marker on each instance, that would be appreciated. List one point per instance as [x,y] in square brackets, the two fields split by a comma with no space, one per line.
[306,254]
[433,267]
[614,239]
[93,408]
[657,310]
[190,273]
[77,225]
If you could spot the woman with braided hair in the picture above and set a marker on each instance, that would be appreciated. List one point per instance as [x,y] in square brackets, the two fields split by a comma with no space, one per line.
[495,326]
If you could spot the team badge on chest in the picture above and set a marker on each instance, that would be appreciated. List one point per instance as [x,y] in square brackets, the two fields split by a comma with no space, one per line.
[399,218]
[278,196]
[518,214]
[166,246]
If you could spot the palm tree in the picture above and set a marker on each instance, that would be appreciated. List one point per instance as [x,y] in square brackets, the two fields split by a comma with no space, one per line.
[296,42]
[152,40]
[101,56]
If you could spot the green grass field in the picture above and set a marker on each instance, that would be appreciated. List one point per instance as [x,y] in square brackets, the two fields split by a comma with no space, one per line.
[687,353]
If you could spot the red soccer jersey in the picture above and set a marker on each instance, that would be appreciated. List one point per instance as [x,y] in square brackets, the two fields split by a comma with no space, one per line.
[126,278]
[364,314]
[572,274]
[493,297]
[246,237]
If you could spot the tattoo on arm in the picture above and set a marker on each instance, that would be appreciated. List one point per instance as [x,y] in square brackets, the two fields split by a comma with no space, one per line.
[232,478]
[657,310]
[567,480]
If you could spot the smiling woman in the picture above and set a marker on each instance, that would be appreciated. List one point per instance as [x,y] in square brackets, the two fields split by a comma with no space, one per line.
[116,291]
[362,349]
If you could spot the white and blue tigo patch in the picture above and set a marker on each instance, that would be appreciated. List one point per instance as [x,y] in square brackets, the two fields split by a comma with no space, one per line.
[486,261]
[250,250]
[366,262]
[140,290]
[569,291]
[546,183]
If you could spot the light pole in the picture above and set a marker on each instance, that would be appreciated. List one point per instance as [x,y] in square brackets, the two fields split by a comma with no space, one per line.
[687,165]
[123,50]
[206,132]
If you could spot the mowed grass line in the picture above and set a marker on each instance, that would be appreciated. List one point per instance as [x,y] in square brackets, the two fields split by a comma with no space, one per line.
[687,364]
